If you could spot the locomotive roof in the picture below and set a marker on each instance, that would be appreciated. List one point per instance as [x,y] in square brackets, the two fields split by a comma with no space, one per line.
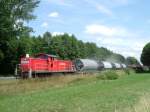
[49,55]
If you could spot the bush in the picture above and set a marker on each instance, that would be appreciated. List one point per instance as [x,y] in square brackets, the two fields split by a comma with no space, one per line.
[108,75]
[129,71]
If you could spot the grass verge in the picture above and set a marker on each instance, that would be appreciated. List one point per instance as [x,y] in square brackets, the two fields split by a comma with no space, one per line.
[78,93]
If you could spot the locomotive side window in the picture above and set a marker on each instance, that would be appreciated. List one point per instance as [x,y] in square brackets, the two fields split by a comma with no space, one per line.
[51,65]
[43,57]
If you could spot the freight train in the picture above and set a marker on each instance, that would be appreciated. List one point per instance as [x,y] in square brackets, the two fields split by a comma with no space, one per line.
[47,64]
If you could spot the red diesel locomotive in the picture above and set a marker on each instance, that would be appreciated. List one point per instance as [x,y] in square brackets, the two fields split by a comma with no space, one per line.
[44,63]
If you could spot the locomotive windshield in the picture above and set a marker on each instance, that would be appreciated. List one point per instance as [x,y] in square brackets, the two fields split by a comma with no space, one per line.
[42,57]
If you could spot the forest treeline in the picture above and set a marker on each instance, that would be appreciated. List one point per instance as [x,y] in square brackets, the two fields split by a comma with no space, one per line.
[66,47]
[15,39]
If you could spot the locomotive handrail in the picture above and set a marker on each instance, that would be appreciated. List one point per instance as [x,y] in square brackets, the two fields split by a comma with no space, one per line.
[17,70]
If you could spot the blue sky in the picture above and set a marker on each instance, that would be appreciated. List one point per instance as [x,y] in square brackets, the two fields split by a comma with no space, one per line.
[122,26]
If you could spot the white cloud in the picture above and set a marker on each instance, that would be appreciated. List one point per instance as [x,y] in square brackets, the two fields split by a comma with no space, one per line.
[108,41]
[127,46]
[138,46]
[102,30]
[126,51]
[44,24]
[104,9]
[54,14]
[117,39]
[100,7]
[106,6]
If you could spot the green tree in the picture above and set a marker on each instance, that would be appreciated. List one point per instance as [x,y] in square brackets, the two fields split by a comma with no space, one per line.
[145,56]
[116,58]
[39,46]
[65,46]
[91,50]
[47,37]
[81,49]
[132,61]
[13,15]
[103,53]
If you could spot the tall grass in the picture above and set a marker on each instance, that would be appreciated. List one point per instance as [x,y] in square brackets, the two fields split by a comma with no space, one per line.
[111,74]
[31,85]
